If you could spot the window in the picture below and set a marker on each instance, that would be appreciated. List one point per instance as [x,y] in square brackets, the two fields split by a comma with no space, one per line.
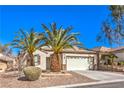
[37,60]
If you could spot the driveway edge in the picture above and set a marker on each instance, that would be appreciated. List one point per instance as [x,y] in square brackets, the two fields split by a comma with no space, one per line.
[87,84]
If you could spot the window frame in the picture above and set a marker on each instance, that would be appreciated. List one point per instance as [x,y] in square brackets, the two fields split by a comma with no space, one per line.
[37,62]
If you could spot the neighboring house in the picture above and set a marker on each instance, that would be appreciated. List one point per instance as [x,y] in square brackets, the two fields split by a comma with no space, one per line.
[119,52]
[5,62]
[72,59]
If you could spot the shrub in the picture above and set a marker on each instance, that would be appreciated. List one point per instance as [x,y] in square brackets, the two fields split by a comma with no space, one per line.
[121,63]
[32,73]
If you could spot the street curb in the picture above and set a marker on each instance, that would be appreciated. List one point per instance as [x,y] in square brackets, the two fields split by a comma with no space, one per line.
[88,84]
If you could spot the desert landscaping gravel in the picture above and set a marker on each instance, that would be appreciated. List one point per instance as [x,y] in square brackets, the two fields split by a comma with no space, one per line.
[46,80]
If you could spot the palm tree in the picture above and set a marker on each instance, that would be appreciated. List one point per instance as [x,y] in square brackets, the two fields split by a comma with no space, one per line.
[58,39]
[28,43]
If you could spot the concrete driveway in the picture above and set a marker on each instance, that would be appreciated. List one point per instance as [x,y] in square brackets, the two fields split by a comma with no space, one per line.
[101,75]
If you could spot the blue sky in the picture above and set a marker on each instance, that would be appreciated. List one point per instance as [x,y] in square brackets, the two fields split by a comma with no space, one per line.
[85,19]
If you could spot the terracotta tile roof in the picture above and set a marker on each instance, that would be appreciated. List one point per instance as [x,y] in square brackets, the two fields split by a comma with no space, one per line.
[102,49]
[117,49]
[105,49]
[75,50]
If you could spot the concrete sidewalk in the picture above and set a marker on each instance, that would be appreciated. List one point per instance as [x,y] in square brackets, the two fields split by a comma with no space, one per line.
[88,84]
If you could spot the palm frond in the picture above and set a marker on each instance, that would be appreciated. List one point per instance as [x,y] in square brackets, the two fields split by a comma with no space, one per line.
[53,28]
[50,36]
[59,39]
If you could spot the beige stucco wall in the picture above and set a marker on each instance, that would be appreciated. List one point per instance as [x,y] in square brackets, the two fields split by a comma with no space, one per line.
[3,66]
[43,56]
[120,56]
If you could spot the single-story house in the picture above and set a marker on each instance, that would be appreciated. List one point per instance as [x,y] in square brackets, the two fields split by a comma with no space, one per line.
[71,59]
[5,62]
[119,52]
[76,58]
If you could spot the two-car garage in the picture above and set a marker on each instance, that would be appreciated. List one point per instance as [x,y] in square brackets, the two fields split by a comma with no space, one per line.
[79,62]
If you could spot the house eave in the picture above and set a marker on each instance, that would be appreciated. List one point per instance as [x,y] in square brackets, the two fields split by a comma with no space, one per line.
[75,52]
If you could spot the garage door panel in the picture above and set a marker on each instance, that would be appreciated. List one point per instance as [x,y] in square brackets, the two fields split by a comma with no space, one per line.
[77,63]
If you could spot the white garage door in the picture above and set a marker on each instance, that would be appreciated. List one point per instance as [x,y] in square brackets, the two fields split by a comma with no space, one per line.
[77,63]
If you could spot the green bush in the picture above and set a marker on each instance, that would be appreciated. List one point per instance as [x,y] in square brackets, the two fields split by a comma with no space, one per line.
[32,73]
[121,63]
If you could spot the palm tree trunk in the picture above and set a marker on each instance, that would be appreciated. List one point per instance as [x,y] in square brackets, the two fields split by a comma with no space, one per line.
[55,63]
[32,60]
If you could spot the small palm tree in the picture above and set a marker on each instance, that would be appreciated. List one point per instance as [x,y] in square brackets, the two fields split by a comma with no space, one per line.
[110,57]
[57,40]
[28,43]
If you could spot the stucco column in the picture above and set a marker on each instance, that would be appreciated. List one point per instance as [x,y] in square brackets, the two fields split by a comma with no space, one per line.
[98,60]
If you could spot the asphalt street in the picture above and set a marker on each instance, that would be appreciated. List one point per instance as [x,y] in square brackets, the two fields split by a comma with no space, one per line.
[108,85]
